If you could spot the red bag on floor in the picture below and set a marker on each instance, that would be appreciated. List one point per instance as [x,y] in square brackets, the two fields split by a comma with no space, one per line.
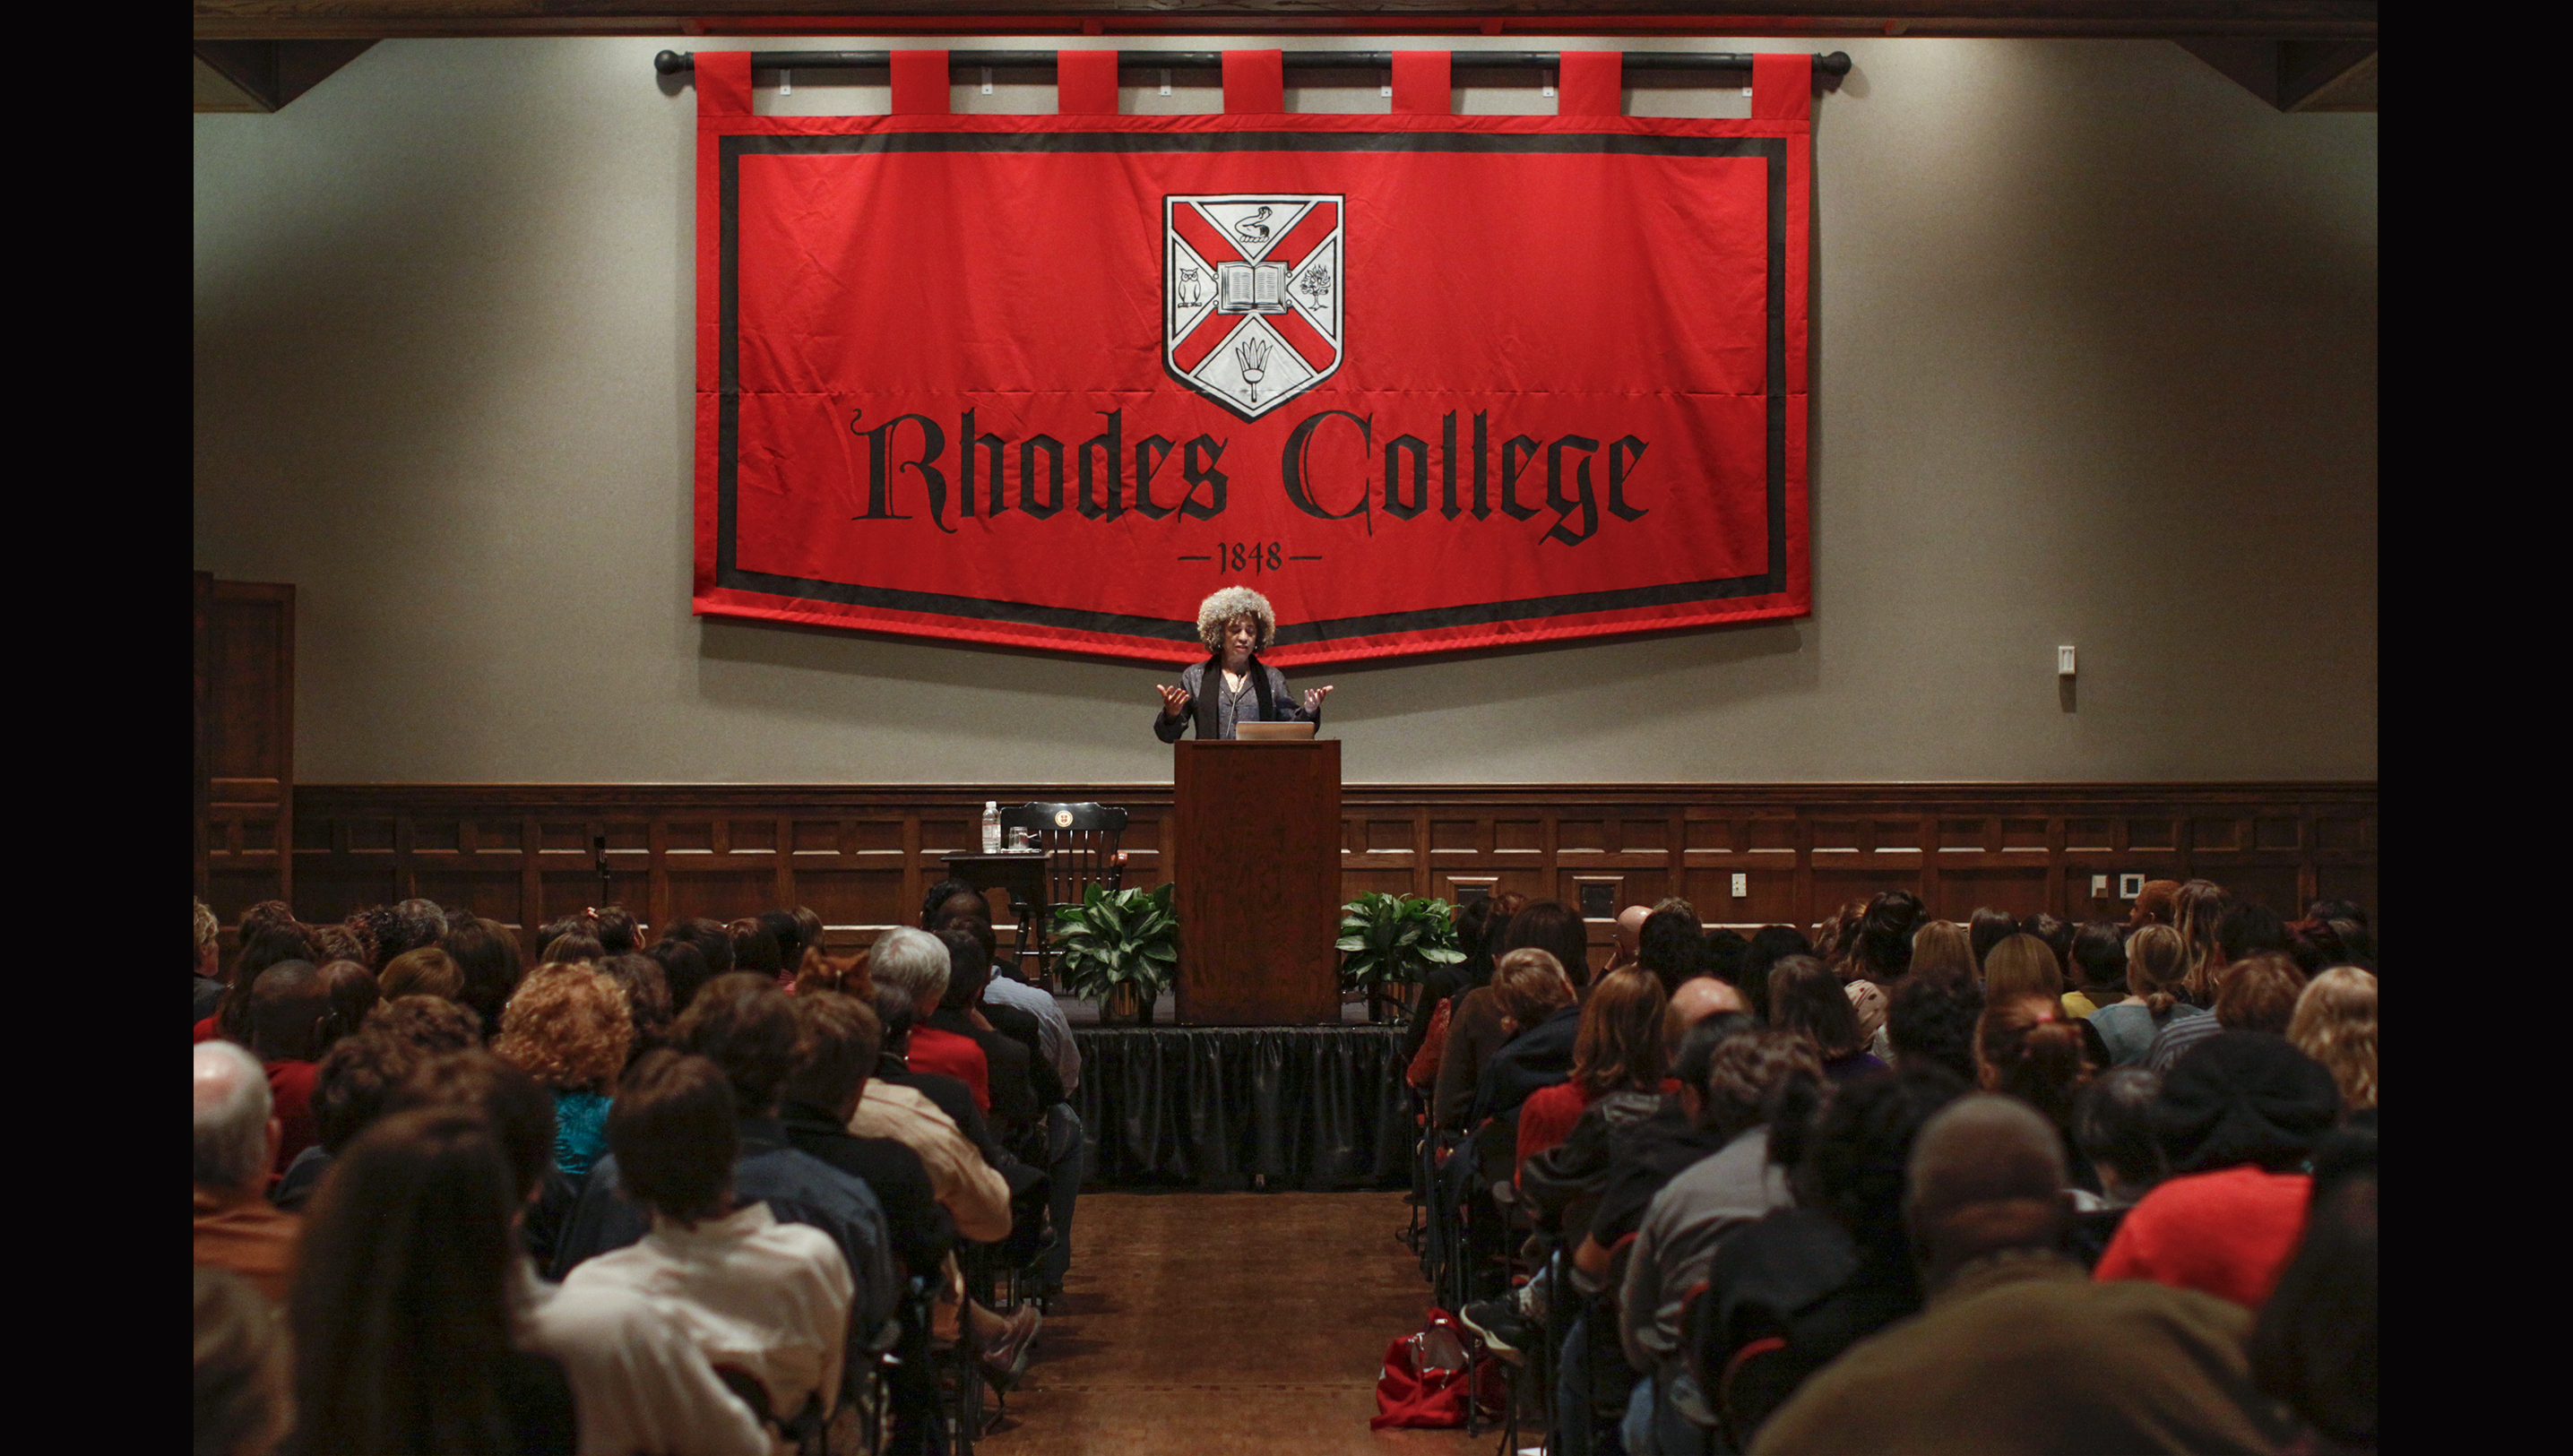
[1423,1382]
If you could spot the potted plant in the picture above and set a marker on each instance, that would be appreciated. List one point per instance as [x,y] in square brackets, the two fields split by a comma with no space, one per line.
[1119,948]
[1387,941]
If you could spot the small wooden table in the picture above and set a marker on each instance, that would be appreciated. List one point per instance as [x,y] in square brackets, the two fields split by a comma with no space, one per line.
[1022,874]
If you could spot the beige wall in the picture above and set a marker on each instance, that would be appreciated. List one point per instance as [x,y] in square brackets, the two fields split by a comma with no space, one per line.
[2094,362]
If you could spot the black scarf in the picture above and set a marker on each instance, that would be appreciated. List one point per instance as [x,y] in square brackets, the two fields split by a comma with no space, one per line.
[1209,729]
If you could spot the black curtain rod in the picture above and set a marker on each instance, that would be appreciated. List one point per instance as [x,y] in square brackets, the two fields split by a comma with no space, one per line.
[962,64]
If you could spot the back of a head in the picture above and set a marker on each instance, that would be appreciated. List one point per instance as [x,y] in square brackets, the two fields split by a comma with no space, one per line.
[934,902]
[519,1114]
[357,1081]
[1805,997]
[1696,1051]
[2314,1343]
[1557,930]
[979,929]
[487,955]
[672,1128]
[2249,928]
[573,948]
[896,1014]
[428,971]
[1724,952]
[616,928]
[2243,1097]
[569,1026]
[2099,957]
[2053,930]
[1853,1158]
[2113,1125]
[272,945]
[1942,951]
[1746,1072]
[1489,933]
[208,930]
[2153,901]
[431,1023]
[968,970]
[912,962]
[349,993]
[1769,945]
[648,996]
[2196,908]
[841,1040]
[1698,998]
[2021,965]
[782,927]
[399,1308]
[286,1006]
[1619,1045]
[711,940]
[683,968]
[2026,1047]
[1672,945]
[244,1400]
[744,1024]
[1989,928]
[755,947]
[232,1106]
[410,925]
[1987,1173]
[1885,934]
[2157,966]
[1931,1022]
[1529,984]
[2335,1024]
[2258,993]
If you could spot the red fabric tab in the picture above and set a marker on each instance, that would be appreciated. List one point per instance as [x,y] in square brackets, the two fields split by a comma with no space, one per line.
[1782,86]
[920,83]
[1254,82]
[1084,83]
[724,83]
[1420,84]
[1590,84]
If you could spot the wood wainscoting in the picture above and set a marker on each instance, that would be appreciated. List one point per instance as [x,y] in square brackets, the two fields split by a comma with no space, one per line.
[862,856]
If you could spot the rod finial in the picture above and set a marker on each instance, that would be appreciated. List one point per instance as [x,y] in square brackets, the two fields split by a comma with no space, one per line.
[1835,64]
[671,62]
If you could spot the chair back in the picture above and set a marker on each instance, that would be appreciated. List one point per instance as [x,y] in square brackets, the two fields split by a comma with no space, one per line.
[1081,842]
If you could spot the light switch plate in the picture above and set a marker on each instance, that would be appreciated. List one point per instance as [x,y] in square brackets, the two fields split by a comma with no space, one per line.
[2099,884]
[2129,886]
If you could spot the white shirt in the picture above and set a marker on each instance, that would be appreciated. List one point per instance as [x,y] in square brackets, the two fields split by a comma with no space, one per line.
[1054,1032]
[638,1381]
[767,1298]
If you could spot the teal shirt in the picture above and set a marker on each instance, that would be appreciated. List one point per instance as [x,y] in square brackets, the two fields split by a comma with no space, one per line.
[580,1131]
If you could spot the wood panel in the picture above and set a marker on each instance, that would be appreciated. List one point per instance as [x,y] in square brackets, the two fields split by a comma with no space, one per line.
[862,856]
[244,743]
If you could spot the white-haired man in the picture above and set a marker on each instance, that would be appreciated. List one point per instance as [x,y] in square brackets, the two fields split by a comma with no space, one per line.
[1233,686]
[237,1139]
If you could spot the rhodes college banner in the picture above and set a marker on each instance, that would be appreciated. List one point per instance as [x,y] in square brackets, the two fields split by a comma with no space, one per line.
[1428,382]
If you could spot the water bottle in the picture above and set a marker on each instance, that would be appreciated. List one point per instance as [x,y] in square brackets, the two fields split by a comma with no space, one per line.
[991,826]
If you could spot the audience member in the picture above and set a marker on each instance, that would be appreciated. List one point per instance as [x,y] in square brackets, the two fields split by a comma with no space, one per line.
[1542,1020]
[2315,1344]
[428,970]
[263,944]
[963,906]
[713,942]
[1883,950]
[683,970]
[2113,1128]
[2154,904]
[1057,1143]
[917,963]
[569,1026]
[488,956]
[2196,908]
[1475,1030]
[1672,945]
[1942,951]
[1724,952]
[1022,1084]
[1443,985]
[209,962]
[2249,928]
[1805,998]
[432,1023]
[243,1403]
[2021,965]
[755,947]
[2156,964]
[965,1184]
[2096,962]
[788,931]
[1989,928]
[647,999]
[350,1089]
[1769,945]
[1618,1049]
[2237,1116]
[834,1059]
[1692,1215]
[2017,1352]
[618,931]
[2055,931]
[572,948]
[1788,1294]
[2257,994]
[236,1141]
[2027,1047]
[289,1011]
[2335,1024]
[1929,1020]
[769,1299]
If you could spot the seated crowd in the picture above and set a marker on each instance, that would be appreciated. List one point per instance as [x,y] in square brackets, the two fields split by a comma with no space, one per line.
[2014,1185]
[721,1193]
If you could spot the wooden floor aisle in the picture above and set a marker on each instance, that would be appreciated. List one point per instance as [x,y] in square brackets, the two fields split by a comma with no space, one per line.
[1195,1325]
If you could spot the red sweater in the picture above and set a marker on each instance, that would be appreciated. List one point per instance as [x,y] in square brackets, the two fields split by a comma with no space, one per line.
[957,1056]
[1547,1117]
[290,1085]
[2227,1233]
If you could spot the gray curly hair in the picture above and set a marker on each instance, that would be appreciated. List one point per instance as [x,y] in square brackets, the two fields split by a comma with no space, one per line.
[1224,607]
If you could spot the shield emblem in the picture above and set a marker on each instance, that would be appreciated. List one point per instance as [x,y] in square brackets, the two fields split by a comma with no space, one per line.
[1252,294]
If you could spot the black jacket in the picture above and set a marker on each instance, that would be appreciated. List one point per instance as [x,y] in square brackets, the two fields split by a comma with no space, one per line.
[1538,1057]
[921,1231]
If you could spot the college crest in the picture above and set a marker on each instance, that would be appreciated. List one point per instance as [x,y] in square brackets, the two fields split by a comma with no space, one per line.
[1251,294]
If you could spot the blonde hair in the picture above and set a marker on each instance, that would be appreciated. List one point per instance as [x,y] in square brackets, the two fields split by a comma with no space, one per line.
[1530,986]
[1224,608]
[2335,1024]
[2021,965]
[2155,962]
[569,1026]
[1943,950]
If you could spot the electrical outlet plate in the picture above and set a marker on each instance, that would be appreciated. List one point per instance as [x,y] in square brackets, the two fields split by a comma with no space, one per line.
[2099,884]
[1741,885]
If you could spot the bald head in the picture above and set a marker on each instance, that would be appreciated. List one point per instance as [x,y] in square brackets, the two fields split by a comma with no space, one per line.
[233,1110]
[1630,927]
[287,1004]
[1698,998]
[1987,1173]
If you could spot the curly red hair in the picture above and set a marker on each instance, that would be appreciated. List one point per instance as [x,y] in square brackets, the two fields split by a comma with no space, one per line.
[569,1026]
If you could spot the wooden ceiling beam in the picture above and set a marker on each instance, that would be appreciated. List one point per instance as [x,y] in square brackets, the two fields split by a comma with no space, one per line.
[2275,20]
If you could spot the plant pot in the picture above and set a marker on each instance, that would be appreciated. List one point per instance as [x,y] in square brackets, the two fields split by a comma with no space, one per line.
[1389,1002]
[1125,1005]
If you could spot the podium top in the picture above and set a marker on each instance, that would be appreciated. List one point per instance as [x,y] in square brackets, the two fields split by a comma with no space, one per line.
[1272,732]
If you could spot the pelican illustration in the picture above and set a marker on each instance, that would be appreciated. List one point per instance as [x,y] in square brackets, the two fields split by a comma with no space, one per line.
[1255,226]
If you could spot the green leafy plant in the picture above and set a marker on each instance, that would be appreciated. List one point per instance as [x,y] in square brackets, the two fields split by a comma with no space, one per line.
[1387,940]
[1117,938]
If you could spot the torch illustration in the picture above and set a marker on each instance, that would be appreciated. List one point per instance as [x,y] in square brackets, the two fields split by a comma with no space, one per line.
[1252,353]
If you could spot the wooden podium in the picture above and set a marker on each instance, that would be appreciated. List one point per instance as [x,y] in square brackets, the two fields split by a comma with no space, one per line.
[1258,865]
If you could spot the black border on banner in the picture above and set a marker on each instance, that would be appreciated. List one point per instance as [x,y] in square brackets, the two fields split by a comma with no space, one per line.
[728,574]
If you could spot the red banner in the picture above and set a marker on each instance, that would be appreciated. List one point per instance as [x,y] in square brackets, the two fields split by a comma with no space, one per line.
[1427,381]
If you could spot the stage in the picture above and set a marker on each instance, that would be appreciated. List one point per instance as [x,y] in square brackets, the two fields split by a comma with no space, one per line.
[1218,1107]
